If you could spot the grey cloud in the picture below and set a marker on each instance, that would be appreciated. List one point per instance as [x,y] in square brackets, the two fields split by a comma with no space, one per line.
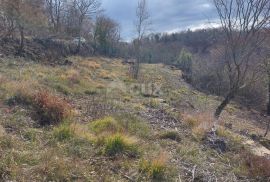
[166,15]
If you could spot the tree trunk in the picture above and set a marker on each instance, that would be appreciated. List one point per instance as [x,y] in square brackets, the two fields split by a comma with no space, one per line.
[268,108]
[79,45]
[224,103]
[267,128]
[21,40]
[137,69]
[137,64]
[80,35]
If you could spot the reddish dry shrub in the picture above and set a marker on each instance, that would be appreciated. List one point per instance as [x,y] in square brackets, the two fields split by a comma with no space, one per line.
[257,165]
[50,109]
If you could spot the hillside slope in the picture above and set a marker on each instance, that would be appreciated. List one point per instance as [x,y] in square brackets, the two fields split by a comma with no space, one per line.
[89,121]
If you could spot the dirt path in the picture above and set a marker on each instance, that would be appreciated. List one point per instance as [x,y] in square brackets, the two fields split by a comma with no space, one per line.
[256,149]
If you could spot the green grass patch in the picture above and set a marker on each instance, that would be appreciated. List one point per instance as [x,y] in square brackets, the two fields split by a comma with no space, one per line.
[120,144]
[173,135]
[63,132]
[134,125]
[107,124]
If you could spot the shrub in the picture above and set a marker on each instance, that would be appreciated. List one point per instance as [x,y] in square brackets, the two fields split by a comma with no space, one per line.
[51,109]
[173,135]
[119,144]
[156,168]
[184,62]
[106,124]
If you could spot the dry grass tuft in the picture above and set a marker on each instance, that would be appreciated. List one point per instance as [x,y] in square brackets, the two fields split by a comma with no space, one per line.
[53,167]
[90,64]
[200,123]
[23,93]
[105,74]
[156,168]
[3,79]
[73,76]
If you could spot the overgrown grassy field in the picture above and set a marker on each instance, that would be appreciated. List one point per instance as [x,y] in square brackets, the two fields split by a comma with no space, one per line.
[90,121]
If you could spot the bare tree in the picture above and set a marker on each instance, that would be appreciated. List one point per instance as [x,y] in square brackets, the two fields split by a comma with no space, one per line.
[25,15]
[7,24]
[142,24]
[243,22]
[55,9]
[85,8]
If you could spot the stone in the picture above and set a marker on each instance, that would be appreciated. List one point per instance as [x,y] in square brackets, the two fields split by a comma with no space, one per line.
[215,142]
[2,131]
[68,63]
[228,125]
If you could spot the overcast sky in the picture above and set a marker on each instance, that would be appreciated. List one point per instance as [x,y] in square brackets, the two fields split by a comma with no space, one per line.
[166,15]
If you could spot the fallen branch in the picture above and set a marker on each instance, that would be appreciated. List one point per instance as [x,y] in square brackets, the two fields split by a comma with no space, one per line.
[193,172]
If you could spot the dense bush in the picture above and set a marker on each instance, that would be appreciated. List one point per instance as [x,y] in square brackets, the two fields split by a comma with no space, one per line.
[184,61]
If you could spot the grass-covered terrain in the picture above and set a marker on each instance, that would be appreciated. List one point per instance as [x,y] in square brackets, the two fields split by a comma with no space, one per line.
[90,121]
